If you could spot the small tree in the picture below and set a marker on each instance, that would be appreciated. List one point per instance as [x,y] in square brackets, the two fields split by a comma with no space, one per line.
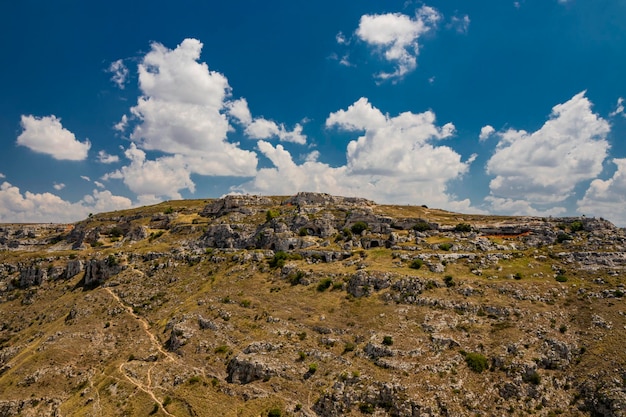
[358,227]
[416,263]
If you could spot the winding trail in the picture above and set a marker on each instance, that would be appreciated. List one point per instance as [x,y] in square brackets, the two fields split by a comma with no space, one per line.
[156,343]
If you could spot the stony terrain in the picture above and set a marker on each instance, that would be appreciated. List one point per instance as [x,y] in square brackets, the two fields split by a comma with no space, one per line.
[312,305]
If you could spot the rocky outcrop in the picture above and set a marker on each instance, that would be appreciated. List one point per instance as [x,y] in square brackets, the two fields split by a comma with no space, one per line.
[243,369]
[97,271]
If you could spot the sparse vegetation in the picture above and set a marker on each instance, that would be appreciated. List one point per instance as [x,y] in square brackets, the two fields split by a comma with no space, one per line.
[416,263]
[477,362]
[422,227]
[561,278]
[445,246]
[387,340]
[324,284]
[358,227]
[463,227]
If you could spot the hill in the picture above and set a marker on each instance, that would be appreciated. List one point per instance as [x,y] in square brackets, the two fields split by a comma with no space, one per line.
[312,305]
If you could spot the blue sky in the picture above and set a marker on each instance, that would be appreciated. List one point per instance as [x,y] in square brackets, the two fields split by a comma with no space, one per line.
[506,107]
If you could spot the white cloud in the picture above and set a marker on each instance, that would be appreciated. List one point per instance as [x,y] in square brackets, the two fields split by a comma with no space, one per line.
[543,167]
[164,176]
[619,108]
[16,207]
[98,184]
[86,178]
[120,73]
[394,161]
[460,24]
[261,128]
[59,186]
[396,37]
[341,39]
[607,198]
[105,158]
[47,135]
[521,208]
[181,112]
[486,132]
[2,175]
[122,124]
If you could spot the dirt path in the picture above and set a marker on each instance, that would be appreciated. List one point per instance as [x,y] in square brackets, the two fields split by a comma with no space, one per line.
[156,343]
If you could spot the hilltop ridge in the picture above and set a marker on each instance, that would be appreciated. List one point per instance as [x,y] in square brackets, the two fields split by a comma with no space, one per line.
[312,305]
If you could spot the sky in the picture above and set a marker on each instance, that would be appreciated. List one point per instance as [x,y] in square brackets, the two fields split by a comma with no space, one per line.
[498,106]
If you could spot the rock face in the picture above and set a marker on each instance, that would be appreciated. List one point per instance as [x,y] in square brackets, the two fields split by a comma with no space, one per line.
[244,369]
[97,271]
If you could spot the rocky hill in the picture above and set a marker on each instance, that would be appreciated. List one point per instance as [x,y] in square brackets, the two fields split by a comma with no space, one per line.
[312,305]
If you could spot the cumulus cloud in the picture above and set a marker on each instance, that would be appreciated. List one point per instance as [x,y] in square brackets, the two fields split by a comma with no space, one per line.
[120,73]
[18,207]
[105,158]
[607,198]
[395,160]
[181,112]
[261,128]
[486,132]
[163,177]
[58,186]
[543,167]
[2,175]
[47,135]
[396,37]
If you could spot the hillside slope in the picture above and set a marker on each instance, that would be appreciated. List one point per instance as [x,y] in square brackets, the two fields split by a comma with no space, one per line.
[312,305]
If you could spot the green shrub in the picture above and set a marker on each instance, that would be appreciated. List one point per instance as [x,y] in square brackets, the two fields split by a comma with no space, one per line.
[366,408]
[169,210]
[271,214]
[517,276]
[476,362]
[222,349]
[116,232]
[462,227]
[449,281]
[561,278]
[416,263]
[563,328]
[167,401]
[576,226]
[422,226]
[445,246]
[562,237]
[274,412]
[387,340]
[358,227]
[324,284]
[194,379]
[312,368]
[349,347]
[278,261]
[303,231]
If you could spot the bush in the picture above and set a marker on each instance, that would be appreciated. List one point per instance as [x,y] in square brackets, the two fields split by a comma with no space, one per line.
[476,362]
[324,284]
[462,227]
[349,347]
[387,341]
[561,278]
[116,232]
[358,228]
[449,281]
[517,276]
[167,401]
[445,246]
[169,210]
[416,263]
[422,227]
[271,214]
[576,226]
[278,261]
[312,368]
[303,231]
[366,408]
[562,237]
[274,412]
